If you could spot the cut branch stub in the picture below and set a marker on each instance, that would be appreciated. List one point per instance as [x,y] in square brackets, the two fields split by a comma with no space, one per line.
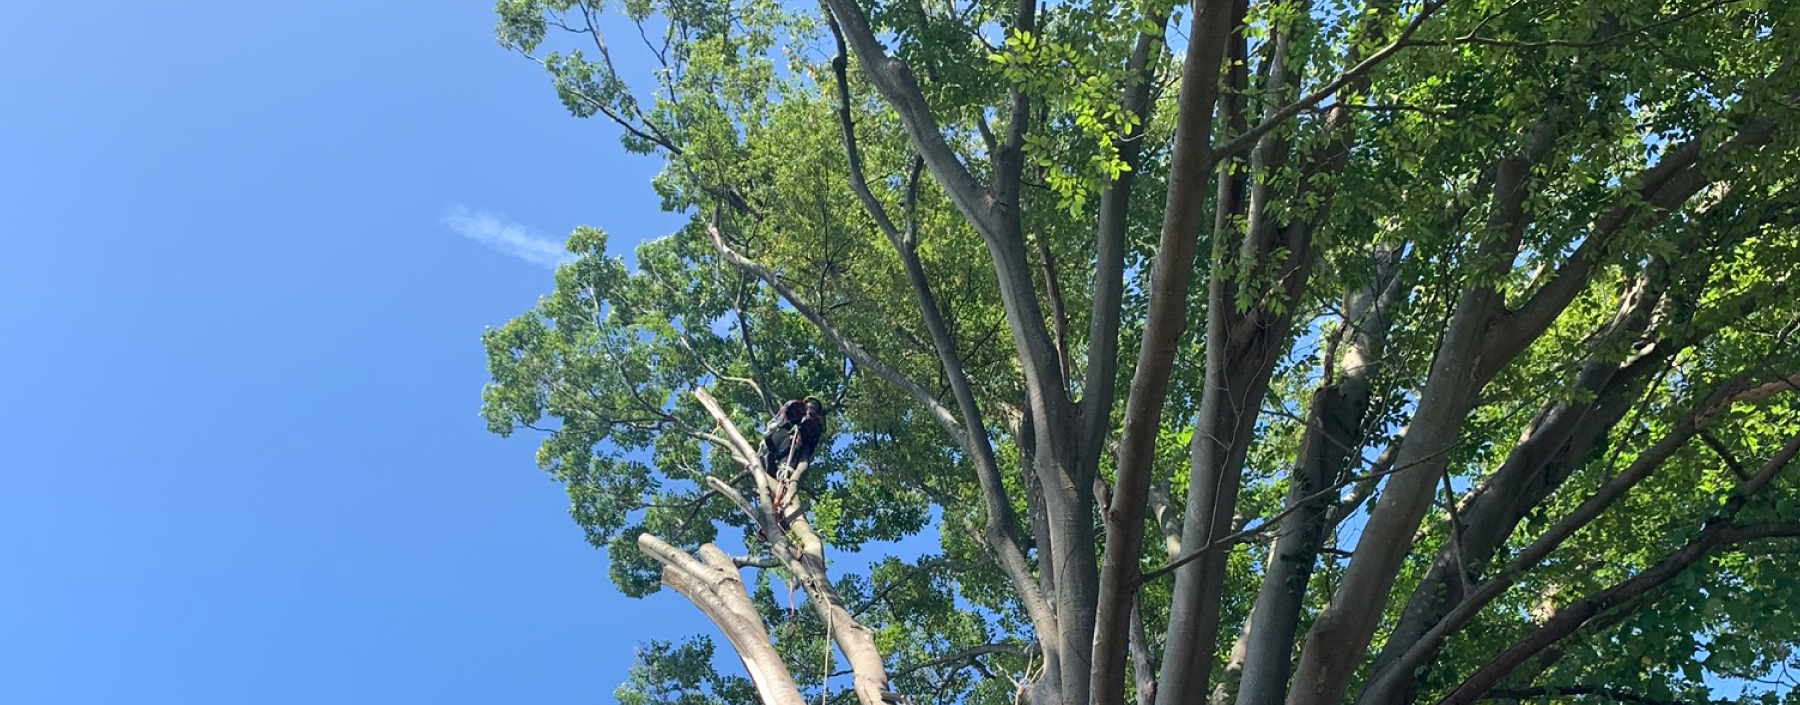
[711,582]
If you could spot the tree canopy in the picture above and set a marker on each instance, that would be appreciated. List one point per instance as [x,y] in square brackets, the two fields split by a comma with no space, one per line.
[1288,351]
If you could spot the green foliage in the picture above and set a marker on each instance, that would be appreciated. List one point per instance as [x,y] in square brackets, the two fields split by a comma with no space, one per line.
[741,105]
[680,674]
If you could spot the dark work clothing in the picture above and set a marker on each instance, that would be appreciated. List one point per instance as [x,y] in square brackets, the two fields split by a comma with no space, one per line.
[778,441]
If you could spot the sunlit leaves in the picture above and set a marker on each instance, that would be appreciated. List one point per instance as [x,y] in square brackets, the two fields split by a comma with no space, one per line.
[739,101]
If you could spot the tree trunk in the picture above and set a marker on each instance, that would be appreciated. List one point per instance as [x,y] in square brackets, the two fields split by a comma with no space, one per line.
[1190,170]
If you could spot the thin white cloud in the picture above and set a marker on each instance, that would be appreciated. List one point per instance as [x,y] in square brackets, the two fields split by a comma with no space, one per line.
[506,236]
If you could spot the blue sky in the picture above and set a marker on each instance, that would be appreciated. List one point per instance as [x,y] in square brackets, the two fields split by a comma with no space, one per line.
[249,251]
[243,462]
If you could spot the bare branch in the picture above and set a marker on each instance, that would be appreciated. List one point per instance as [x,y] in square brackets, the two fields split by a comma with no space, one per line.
[896,84]
[711,583]
[763,562]
[793,543]
[741,448]
[1000,536]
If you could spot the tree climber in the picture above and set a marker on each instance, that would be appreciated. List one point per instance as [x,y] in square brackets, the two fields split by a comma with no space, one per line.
[788,444]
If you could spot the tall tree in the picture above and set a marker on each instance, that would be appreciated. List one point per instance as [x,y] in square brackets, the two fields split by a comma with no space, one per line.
[1475,319]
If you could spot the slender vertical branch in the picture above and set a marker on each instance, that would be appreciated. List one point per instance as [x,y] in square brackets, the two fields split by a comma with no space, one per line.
[1099,382]
[1166,320]
[1000,535]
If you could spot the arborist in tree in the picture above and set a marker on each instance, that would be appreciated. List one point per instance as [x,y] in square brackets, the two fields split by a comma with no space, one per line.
[789,442]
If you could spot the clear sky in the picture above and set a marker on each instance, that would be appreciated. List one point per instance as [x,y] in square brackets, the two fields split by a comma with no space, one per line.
[249,252]
[242,461]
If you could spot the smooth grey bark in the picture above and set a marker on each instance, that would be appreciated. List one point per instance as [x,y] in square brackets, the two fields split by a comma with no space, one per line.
[1489,519]
[1542,307]
[1099,387]
[1221,441]
[1334,645]
[1049,686]
[1554,445]
[999,534]
[1257,667]
[1334,434]
[1055,412]
[1242,349]
[711,582]
[1240,354]
[1189,170]
[1559,438]
[1483,337]
[1100,379]
[994,213]
[1143,663]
